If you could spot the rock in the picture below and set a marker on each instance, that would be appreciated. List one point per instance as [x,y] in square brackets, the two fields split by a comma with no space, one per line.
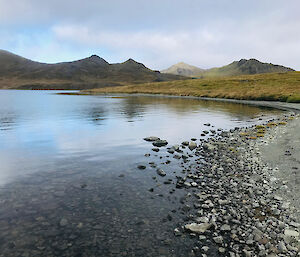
[198,228]
[177,232]
[281,247]
[205,248]
[247,253]
[277,198]
[223,202]
[82,186]
[222,250]
[150,139]
[225,227]
[171,151]
[208,147]
[185,143]
[294,224]
[206,124]
[175,148]
[63,222]
[292,233]
[160,143]
[218,239]
[141,167]
[160,172]
[155,149]
[192,145]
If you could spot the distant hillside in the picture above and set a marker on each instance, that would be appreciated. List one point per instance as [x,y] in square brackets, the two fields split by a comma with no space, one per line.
[237,68]
[244,67]
[91,72]
[183,69]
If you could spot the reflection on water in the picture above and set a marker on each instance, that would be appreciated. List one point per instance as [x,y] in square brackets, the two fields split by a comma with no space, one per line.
[68,177]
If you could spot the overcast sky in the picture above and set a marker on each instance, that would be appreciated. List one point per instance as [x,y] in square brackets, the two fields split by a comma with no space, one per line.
[158,33]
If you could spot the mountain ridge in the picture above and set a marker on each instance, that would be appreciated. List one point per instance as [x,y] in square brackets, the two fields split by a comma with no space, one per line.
[91,72]
[236,68]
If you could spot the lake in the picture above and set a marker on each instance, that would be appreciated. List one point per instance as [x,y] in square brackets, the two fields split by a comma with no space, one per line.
[69,182]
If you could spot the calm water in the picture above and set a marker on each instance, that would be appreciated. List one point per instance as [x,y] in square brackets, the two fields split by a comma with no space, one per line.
[69,183]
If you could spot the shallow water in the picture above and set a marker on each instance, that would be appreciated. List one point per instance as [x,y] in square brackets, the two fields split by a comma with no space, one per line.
[69,179]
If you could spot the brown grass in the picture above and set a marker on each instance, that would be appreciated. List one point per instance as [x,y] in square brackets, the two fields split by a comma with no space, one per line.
[272,87]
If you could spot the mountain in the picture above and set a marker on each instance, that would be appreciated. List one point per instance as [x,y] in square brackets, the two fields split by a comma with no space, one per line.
[245,67]
[92,72]
[183,69]
[242,67]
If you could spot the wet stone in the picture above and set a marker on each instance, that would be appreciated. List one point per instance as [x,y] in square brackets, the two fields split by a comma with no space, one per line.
[160,143]
[63,222]
[151,139]
[160,172]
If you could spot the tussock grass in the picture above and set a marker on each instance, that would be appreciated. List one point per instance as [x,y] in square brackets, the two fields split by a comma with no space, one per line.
[271,87]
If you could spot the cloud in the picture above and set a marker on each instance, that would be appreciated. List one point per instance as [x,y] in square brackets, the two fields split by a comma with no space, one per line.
[157,33]
[213,45]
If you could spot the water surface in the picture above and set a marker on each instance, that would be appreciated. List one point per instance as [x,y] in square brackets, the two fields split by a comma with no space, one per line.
[69,179]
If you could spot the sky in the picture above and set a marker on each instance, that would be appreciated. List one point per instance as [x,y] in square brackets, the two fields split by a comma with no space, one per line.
[158,33]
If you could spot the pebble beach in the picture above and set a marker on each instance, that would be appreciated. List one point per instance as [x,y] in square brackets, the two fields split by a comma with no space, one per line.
[241,188]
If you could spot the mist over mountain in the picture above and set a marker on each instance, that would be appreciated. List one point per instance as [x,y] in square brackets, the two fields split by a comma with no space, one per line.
[91,72]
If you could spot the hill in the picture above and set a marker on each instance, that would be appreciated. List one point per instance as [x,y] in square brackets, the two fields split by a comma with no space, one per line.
[270,86]
[92,72]
[237,68]
[183,69]
[244,67]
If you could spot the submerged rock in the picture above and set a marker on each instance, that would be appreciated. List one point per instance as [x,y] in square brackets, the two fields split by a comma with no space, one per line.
[171,151]
[192,145]
[63,222]
[160,172]
[160,143]
[151,139]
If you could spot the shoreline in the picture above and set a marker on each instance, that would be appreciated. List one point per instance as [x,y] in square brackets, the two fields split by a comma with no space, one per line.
[239,198]
[272,104]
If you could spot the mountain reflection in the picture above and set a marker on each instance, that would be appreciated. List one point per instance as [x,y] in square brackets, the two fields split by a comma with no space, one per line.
[7,121]
[96,114]
[136,106]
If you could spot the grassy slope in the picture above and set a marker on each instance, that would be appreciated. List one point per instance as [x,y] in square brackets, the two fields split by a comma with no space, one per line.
[273,86]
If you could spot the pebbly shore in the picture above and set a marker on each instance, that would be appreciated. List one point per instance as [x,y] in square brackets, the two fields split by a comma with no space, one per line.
[237,202]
